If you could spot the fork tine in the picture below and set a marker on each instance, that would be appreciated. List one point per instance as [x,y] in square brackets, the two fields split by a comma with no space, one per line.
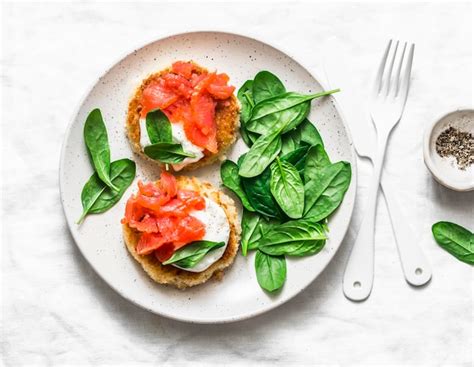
[378,80]
[406,76]
[386,86]
[399,69]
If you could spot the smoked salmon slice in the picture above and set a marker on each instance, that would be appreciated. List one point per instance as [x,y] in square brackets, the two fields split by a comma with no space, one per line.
[189,96]
[161,213]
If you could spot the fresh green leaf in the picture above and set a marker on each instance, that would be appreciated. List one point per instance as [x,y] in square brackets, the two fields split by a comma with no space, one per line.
[284,120]
[287,188]
[231,179]
[97,142]
[96,197]
[457,240]
[271,271]
[248,136]
[259,194]
[294,238]
[283,102]
[309,134]
[290,141]
[297,158]
[316,159]
[245,98]
[190,255]
[260,155]
[325,192]
[167,152]
[158,127]
[265,86]
[250,230]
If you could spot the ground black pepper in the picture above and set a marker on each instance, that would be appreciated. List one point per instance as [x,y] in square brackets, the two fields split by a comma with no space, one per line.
[458,144]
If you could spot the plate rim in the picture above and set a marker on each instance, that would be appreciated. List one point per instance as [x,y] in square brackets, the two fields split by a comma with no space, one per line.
[242,316]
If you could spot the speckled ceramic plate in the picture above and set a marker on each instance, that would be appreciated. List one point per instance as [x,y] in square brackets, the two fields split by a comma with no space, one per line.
[99,238]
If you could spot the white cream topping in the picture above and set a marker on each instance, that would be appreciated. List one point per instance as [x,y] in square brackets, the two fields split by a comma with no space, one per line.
[179,136]
[217,230]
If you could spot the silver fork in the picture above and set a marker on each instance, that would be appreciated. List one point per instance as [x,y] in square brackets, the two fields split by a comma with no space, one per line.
[387,103]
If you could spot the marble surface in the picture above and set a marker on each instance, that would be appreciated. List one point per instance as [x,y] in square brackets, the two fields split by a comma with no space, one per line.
[55,309]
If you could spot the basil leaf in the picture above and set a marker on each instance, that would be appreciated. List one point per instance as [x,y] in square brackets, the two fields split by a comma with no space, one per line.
[294,238]
[96,197]
[265,86]
[287,188]
[284,120]
[259,194]
[316,159]
[244,95]
[297,158]
[309,134]
[189,255]
[167,152]
[325,192]
[260,155]
[231,179]
[283,102]
[457,240]
[97,142]
[158,127]
[270,270]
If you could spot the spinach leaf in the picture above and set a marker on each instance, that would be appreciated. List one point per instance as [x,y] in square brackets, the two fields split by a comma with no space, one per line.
[245,98]
[457,240]
[316,159]
[265,86]
[96,197]
[189,255]
[259,194]
[309,134]
[97,142]
[167,152]
[290,141]
[271,271]
[287,188]
[260,155]
[283,102]
[297,158]
[250,229]
[158,127]
[294,238]
[231,179]
[284,120]
[325,192]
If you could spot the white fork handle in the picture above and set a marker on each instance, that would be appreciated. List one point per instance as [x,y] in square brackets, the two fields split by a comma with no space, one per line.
[359,274]
[415,265]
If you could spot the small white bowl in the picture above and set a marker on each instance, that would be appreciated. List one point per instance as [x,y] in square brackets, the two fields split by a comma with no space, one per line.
[444,169]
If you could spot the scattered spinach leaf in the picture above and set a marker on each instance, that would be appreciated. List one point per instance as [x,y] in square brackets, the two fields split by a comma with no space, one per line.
[297,158]
[309,133]
[97,142]
[287,188]
[231,179]
[457,240]
[271,271]
[265,86]
[316,159]
[190,255]
[290,141]
[259,194]
[325,192]
[250,229]
[294,238]
[158,127]
[260,155]
[245,98]
[167,152]
[96,197]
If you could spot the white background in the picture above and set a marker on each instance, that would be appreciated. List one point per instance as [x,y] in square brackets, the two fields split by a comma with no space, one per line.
[55,309]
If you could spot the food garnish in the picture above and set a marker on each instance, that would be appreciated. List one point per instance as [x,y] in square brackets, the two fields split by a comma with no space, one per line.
[455,239]
[286,181]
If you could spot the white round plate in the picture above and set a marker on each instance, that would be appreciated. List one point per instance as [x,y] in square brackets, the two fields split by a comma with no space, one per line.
[238,296]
